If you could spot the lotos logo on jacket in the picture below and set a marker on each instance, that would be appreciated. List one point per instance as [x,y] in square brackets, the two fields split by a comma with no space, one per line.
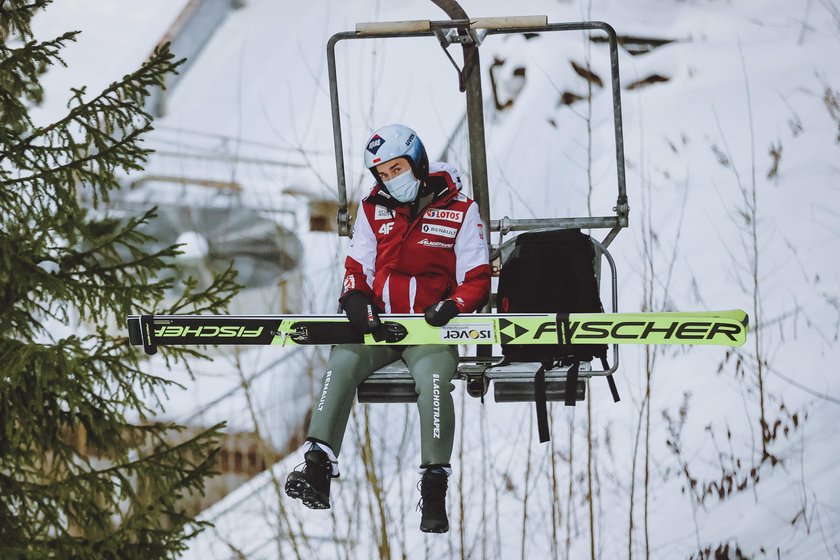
[456,216]
[374,144]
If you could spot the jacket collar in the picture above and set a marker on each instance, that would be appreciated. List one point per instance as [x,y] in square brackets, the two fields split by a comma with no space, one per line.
[443,187]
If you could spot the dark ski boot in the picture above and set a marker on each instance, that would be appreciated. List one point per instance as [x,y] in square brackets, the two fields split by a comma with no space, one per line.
[433,501]
[312,484]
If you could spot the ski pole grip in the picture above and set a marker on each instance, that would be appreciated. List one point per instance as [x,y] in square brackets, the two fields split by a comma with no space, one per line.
[147,334]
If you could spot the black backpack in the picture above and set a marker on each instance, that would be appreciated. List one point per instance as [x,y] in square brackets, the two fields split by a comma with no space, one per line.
[552,271]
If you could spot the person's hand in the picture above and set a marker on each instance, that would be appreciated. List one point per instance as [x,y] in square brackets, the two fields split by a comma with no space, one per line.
[441,312]
[361,313]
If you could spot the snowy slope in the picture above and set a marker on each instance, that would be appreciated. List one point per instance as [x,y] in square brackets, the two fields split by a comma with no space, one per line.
[743,79]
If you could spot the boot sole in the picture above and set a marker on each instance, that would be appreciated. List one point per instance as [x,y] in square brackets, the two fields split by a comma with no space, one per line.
[435,529]
[300,489]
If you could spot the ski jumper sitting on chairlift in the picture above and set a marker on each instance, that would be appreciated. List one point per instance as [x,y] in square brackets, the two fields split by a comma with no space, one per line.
[418,247]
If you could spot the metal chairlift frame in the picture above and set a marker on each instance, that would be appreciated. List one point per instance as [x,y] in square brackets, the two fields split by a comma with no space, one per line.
[393,383]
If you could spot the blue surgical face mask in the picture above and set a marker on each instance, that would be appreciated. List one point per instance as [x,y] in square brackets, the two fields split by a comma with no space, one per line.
[404,186]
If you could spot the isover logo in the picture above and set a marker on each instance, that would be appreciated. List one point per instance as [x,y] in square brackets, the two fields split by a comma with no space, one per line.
[479,332]
[208,331]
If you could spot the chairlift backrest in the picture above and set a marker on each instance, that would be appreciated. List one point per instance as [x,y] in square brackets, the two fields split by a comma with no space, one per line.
[470,33]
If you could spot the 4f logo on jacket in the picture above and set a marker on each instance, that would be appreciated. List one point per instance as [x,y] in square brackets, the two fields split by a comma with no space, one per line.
[386,228]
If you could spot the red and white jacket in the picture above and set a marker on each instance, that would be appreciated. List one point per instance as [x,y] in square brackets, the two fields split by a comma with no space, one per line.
[407,265]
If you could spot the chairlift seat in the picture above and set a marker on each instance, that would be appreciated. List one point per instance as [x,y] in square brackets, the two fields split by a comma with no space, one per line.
[512,382]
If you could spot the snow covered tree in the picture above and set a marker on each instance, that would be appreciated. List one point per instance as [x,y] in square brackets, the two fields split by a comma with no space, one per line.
[84,473]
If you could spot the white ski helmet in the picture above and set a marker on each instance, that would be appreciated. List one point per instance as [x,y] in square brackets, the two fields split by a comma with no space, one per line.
[394,141]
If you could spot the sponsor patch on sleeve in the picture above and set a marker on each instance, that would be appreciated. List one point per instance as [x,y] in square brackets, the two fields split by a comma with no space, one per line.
[349,283]
[456,216]
[440,230]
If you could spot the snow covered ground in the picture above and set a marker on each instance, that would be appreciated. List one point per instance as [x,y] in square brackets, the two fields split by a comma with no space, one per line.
[732,180]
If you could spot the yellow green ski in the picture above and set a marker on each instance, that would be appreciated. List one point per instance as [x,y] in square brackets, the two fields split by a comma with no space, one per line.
[722,328]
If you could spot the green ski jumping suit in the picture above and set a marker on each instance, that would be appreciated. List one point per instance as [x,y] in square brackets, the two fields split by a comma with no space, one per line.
[431,367]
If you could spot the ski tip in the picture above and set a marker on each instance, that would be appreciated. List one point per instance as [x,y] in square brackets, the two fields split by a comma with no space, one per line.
[741,316]
[738,315]
[743,320]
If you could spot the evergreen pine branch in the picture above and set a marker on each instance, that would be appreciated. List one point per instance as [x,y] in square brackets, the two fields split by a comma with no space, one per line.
[212,299]
[77,477]
[16,17]
[20,69]
[128,94]
[90,149]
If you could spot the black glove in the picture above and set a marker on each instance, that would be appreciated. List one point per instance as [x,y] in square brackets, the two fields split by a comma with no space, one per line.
[441,313]
[361,313]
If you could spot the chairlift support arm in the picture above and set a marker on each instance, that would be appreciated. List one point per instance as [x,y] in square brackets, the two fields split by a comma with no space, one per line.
[489,26]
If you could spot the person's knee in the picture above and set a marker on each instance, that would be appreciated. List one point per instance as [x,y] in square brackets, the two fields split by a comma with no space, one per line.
[434,385]
[347,356]
[442,359]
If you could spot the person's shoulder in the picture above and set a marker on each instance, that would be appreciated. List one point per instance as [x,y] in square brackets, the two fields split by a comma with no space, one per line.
[441,168]
[463,199]
[449,173]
